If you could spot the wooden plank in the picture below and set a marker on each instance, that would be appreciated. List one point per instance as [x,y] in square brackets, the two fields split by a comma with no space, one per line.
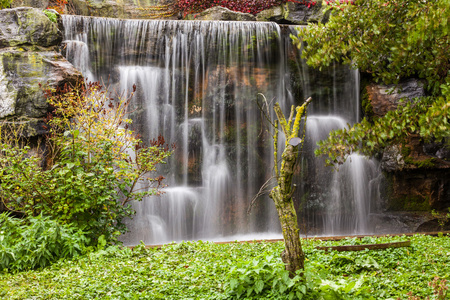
[367,246]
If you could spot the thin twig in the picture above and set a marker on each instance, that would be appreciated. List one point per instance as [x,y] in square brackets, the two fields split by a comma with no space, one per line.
[260,193]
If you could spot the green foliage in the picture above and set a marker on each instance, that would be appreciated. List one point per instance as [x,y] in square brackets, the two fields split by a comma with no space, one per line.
[264,277]
[199,270]
[391,40]
[36,242]
[95,165]
[51,15]
[5,3]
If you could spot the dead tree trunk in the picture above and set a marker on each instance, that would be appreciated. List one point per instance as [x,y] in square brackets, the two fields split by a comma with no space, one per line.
[293,255]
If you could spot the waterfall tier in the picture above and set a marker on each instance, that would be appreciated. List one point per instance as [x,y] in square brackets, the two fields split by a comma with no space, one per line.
[197,85]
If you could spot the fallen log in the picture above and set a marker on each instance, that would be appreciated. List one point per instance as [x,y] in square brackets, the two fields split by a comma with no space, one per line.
[366,246]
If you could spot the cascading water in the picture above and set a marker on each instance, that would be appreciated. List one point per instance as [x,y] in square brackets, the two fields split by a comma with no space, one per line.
[197,85]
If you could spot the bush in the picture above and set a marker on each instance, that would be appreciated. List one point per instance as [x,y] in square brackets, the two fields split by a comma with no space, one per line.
[36,242]
[93,165]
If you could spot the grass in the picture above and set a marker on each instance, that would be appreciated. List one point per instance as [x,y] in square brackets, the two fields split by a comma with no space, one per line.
[204,270]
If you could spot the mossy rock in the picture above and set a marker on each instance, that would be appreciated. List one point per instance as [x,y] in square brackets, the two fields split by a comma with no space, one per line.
[26,26]
[293,13]
[21,72]
[220,13]
[124,9]
[41,4]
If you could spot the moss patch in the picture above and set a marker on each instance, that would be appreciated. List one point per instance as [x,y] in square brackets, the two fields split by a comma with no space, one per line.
[422,163]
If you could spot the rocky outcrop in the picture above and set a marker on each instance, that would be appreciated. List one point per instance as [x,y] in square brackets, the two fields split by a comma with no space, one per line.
[28,57]
[125,9]
[287,13]
[222,14]
[41,4]
[384,98]
[293,13]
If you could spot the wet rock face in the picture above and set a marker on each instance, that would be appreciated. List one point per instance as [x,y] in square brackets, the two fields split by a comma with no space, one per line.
[384,98]
[27,27]
[221,13]
[417,180]
[418,190]
[28,40]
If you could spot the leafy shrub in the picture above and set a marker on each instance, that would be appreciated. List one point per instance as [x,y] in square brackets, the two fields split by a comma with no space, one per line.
[36,242]
[94,165]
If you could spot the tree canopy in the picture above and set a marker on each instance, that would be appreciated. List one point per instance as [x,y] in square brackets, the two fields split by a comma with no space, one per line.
[391,41]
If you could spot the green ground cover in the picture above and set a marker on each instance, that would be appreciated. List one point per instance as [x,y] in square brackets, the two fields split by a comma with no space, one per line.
[204,270]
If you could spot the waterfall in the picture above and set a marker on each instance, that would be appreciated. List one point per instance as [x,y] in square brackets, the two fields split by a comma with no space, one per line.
[197,85]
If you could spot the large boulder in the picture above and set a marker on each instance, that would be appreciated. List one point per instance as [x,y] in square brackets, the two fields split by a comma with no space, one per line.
[221,13]
[124,9]
[293,13]
[384,98]
[41,4]
[25,26]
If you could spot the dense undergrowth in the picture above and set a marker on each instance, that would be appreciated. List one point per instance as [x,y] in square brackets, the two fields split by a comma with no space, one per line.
[203,270]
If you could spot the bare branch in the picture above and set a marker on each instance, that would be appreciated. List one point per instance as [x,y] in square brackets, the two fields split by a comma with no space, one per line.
[264,113]
[261,192]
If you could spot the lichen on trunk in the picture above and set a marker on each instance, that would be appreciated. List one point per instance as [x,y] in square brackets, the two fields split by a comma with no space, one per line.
[293,255]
